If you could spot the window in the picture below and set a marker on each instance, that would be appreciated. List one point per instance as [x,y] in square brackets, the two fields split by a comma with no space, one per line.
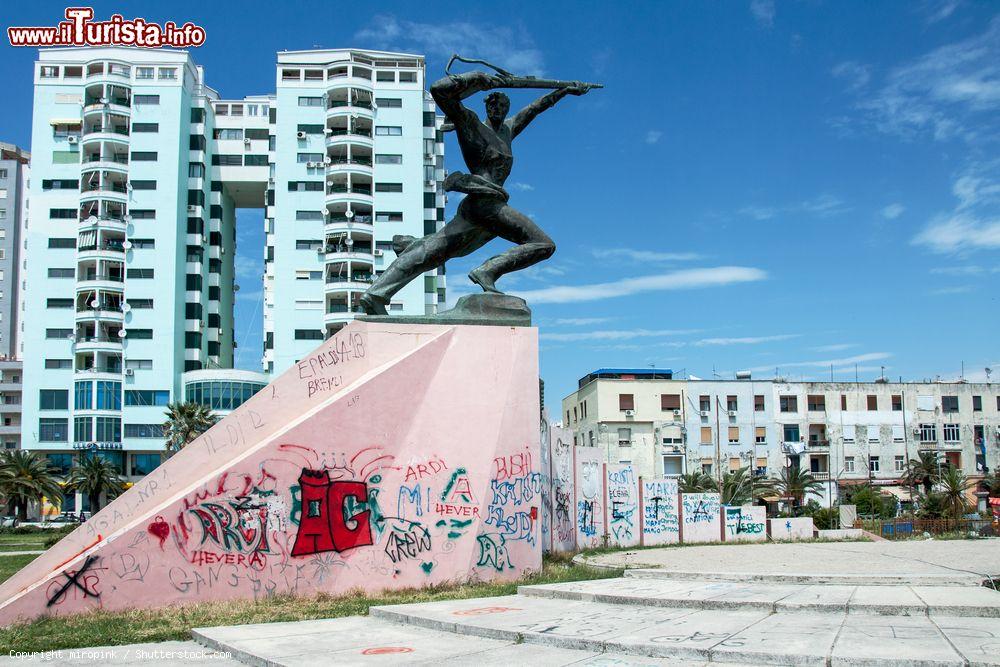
[899,463]
[143,244]
[83,429]
[62,244]
[196,170]
[59,303]
[144,431]
[310,128]
[308,334]
[48,72]
[670,402]
[873,434]
[760,435]
[142,214]
[849,433]
[305,186]
[146,99]
[706,435]
[732,403]
[977,403]
[83,395]
[310,101]
[109,395]
[192,340]
[816,402]
[230,133]
[843,401]
[53,430]
[952,433]
[58,333]
[704,403]
[791,433]
[227,160]
[407,77]
[848,464]
[949,403]
[758,403]
[308,244]
[872,402]
[788,403]
[388,158]
[897,403]
[143,72]
[143,185]
[143,464]
[53,399]
[873,464]
[388,187]
[142,304]
[734,435]
[309,157]
[146,397]
[58,364]
[624,437]
[143,156]
[62,213]
[109,429]
[308,275]
[385,76]
[388,131]
[626,402]
[144,364]
[197,115]
[257,133]
[142,274]
[389,102]
[388,216]
[928,433]
[53,184]
[168,73]
[197,142]
[145,127]
[898,433]
[140,334]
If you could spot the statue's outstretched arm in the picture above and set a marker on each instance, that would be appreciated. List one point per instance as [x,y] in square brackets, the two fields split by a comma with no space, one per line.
[543,103]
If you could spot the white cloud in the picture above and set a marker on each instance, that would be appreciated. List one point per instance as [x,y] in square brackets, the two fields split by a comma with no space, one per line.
[763,12]
[826,363]
[974,223]
[653,136]
[893,211]
[644,255]
[758,212]
[939,11]
[745,340]
[968,270]
[514,50]
[854,74]
[835,347]
[678,280]
[581,321]
[950,92]
[824,205]
[248,268]
[523,187]
[947,291]
[626,334]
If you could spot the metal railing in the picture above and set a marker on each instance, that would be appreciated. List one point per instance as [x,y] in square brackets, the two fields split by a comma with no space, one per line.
[902,528]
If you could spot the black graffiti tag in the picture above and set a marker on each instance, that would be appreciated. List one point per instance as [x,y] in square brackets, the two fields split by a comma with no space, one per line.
[74,580]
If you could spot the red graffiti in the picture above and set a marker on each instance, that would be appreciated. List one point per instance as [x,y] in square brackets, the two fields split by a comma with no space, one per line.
[324,526]
[481,611]
[383,650]
[515,465]
[159,529]
[254,560]
[415,473]
[455,510]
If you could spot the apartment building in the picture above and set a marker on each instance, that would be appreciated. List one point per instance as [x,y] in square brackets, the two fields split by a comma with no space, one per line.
[14,172]
[140,168]
[843,433]
[10,403]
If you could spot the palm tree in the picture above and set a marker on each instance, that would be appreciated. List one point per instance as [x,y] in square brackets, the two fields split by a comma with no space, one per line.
[924,470]
[991,484]
[736,487]
[93,475]
[695,482]
[185,422]
[954,484]
[27,476]
[794,483]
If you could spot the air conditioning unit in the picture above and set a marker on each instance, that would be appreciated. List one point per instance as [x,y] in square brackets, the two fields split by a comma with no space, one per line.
[732,413]
[327,131]
[916,431]
[192,208]
[630,413]
[300,135]
[72,139]
[703,413]
[327,160]
[310,165]
[247,141]
[129,372]
[429,182]
[379,253]
[104,100]
[677,413]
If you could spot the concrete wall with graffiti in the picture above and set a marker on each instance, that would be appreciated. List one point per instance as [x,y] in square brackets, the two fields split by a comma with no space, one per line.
[798,528]
[744,524]
[563,490]
[660,518]
[622,502]
[589,506]
[379,461]
[700,520]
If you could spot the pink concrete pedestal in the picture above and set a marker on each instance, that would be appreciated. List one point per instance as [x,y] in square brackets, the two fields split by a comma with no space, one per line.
[393,456]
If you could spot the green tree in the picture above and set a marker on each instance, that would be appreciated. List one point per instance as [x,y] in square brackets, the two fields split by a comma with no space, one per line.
[736,487]
[26,476]
[925,470]
[93,475]
[991,484]
[954,485]
[795,484]
[185,422]
[870,502]
[932,506]
[696,482]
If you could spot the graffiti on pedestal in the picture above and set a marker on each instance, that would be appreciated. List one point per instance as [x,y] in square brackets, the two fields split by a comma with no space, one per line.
[623,505]
[660,521]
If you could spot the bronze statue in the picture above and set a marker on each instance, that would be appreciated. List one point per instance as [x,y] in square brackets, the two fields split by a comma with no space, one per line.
[484,213]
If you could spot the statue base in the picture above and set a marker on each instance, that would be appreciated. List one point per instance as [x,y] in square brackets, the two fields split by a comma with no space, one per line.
[488,308]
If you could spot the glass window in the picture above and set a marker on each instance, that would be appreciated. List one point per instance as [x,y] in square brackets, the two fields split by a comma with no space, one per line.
[53,399]
[388,130]
[109,429]
[83,396]
[62,461]
[952,433]
[53,430]
[109,395]
[143,464]
[83,429]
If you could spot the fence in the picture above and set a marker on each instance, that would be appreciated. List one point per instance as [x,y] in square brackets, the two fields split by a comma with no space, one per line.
[901,528]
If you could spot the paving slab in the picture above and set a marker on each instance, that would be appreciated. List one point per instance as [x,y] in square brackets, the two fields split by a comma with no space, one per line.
[689,636]
[977,639]
[892,640]
[886,600]
[818,597]
[161,654]
[784,639]
[952,601]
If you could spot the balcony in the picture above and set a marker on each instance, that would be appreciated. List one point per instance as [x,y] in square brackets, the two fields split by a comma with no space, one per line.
[118,164]
[357,281]
[117,105]
[110,222]
[116,133]
[361,166]
[98,343]
[13,429]
[114,251]
[343,136]
[818,445]
[103,281]
[345,195]
[341,224]
[105,312]
[356,109]
[110,191]
[341,81]
[821,475]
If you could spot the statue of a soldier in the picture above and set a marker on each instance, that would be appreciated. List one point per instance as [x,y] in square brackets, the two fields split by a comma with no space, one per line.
[484,213]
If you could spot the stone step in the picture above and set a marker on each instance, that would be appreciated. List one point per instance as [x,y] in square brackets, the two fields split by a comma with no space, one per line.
[693,594]
[731,635]
[856,579]
[359,640]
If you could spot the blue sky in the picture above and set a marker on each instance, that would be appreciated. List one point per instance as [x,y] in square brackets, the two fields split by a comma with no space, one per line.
[761,185]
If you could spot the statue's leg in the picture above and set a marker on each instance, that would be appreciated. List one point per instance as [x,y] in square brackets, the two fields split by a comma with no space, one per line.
[533,246]
[456,239]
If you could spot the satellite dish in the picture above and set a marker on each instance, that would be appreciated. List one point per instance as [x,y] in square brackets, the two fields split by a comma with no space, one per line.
[349,214]
[349,242]
[92,220]
[122,333]
[95,303]
[126,307]
[126,244]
